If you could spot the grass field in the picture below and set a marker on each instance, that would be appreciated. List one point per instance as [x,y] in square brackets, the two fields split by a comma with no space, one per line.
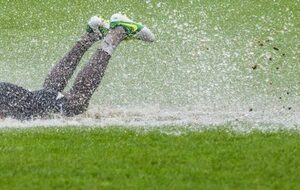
[116,158]
[230,62]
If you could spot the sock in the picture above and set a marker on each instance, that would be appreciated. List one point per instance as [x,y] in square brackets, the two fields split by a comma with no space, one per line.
[113,39]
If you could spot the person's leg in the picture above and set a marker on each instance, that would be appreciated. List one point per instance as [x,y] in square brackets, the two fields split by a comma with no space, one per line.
[90,76]
[19,103]
[62,72]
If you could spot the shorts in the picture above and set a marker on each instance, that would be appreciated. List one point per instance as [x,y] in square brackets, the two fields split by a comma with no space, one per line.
[19,103]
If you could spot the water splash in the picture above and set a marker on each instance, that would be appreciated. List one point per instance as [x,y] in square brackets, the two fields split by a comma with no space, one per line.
[234,60]
[171,121]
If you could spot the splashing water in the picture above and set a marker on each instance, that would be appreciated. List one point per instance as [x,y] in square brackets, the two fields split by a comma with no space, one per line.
[213,62]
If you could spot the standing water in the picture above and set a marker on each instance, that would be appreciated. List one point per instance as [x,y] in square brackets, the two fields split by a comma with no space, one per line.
[214,62]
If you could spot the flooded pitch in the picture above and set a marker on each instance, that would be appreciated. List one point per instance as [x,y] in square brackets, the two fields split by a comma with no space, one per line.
[214,63]
[183,119]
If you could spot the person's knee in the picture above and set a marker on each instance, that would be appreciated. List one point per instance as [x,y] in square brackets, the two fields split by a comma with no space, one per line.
[71,110]
[75,106]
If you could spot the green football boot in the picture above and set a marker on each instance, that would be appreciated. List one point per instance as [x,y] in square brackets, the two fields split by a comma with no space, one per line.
[133,29]
[97,24]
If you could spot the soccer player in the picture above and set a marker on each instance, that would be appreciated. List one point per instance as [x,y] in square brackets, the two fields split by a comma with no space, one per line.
[19,103]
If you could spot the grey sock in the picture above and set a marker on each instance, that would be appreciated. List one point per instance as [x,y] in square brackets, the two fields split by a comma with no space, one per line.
[112,40]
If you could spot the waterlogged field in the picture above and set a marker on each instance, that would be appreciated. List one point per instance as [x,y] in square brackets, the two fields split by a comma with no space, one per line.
[224,74]
[231,60]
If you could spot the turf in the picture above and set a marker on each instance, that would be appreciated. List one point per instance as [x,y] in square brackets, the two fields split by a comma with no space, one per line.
[118,158]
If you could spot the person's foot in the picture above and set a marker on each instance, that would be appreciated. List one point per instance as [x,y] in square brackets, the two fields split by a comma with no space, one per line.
[133,29]
[98,25]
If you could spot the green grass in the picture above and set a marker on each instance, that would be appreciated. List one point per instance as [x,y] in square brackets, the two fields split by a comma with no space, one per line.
[118,158]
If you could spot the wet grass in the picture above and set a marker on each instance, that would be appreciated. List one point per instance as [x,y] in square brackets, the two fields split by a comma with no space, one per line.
[118,158]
